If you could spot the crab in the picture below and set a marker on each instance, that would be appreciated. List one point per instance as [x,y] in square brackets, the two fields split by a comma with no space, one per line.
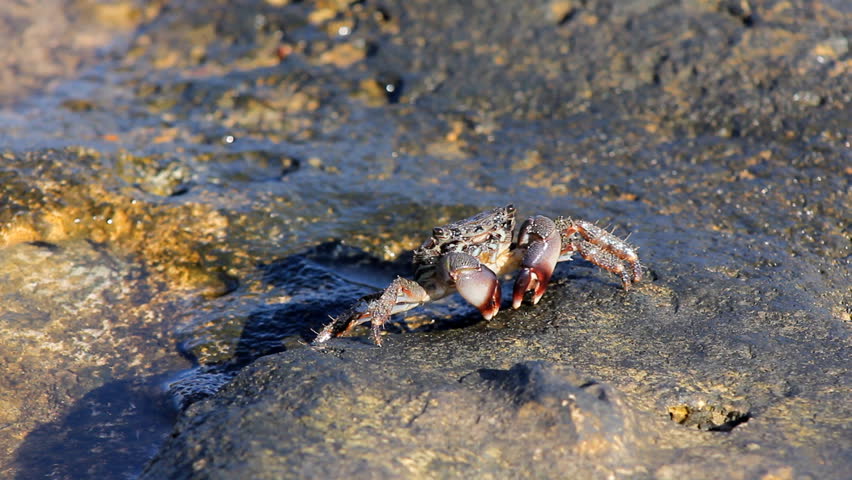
[471,255]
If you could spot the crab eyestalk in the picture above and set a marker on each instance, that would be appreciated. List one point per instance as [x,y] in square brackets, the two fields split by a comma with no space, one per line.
[542,243]
[475,282]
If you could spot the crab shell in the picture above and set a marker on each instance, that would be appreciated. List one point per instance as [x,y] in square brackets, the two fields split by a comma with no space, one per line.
[487,236]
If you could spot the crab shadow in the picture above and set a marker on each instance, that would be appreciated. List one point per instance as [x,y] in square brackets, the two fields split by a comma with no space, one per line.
[325,280]
[109,433]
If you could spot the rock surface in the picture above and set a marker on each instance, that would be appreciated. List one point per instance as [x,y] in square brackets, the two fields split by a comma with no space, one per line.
[210,180]
[699,372]
[343,420]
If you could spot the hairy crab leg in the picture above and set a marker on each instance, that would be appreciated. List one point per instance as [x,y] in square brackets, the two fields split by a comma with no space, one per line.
[606,260]
[400,296]
[601,248]
[475,282]
[542,244]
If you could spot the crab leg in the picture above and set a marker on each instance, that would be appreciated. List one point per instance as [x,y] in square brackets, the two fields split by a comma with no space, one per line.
[474,281]
[601,248]
[542,243]
[400,296]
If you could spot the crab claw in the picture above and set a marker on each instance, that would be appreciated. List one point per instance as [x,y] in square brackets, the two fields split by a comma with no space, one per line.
[475,282]
[542,241]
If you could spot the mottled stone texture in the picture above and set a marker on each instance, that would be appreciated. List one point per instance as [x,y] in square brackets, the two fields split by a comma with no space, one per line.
[342,421]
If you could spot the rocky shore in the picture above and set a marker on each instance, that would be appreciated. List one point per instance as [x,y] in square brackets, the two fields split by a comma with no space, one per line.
[189,189]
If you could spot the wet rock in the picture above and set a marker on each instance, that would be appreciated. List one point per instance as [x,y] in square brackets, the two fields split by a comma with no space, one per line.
[246,166]
[832,48]
[707,417]
[71,324]
[302,291]
[196,385]
[157,176]
[119,421]
[106,212]
[715,131]
[123,13]
[560,11]
[58,38]
[535,417]
[84,297]
[809,99]
[711,352]
[79,105]
[342,56]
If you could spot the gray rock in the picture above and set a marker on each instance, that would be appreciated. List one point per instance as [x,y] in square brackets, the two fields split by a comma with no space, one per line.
[714,355]
[312,415]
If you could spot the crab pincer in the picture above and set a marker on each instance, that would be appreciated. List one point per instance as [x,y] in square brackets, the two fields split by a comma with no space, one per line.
[542,243]
[475,282]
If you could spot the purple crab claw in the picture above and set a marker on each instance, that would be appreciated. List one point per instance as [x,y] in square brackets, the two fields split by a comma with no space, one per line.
[542,243]
[475,282]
